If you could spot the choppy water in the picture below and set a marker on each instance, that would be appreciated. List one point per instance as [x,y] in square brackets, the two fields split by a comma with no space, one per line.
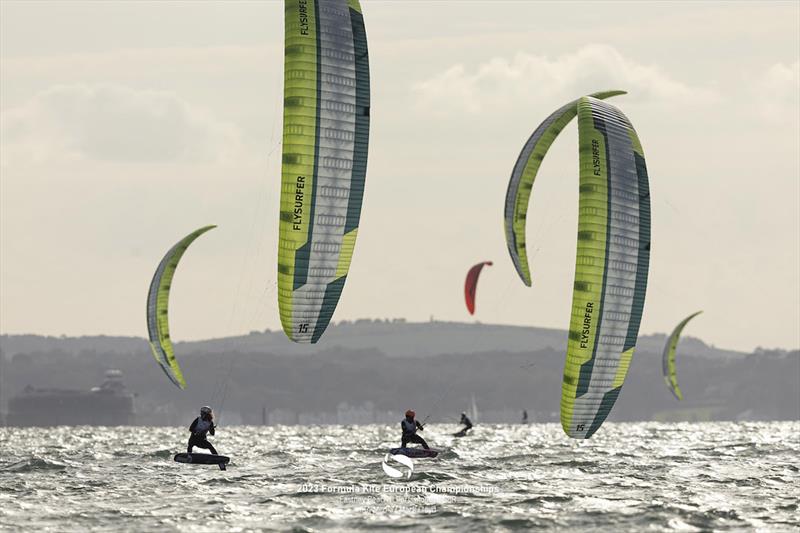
[628,477]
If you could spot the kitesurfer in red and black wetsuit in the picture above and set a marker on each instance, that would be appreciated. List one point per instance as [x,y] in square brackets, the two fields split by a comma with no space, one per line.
[201,426]
[410,427]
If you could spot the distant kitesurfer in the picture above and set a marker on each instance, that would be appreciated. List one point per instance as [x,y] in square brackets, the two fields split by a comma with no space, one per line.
[410,427]
[524,416]
[201,426]
[467,423]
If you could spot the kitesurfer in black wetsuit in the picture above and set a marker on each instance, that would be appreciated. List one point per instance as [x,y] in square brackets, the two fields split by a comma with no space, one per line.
[467,423]
[201,426]
[410,427]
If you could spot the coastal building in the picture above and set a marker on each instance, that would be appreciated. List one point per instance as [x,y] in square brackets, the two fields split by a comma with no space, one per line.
[109,404]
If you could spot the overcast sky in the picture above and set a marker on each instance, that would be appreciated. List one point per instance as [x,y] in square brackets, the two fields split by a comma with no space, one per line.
[126,125]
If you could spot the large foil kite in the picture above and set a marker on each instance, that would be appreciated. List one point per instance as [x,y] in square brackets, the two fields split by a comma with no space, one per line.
[158,309]
[471,285]
[668,358]
[613,252]
[325,138]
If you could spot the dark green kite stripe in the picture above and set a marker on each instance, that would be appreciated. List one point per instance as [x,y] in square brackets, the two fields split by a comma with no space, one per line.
[361,140]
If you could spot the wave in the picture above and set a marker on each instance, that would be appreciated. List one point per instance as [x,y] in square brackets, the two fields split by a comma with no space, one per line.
[32,464]
[161,454]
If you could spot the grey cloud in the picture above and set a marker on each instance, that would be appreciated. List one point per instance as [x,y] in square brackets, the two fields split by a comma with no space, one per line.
[113,123]
[500,83]
[777,93]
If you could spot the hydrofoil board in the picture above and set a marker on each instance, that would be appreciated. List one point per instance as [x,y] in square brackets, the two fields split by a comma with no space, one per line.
[203,459]
[416,453]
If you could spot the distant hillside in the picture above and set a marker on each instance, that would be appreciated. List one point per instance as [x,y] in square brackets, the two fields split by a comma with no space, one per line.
[11,345]
[371,371]
[394,338]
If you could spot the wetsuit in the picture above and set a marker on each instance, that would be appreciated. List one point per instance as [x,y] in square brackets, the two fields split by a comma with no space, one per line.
[409,427]
[199,428]
[467,424]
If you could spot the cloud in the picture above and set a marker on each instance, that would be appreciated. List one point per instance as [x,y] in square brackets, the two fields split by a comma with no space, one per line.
[113,123]
[777,93]
[501,83]
[138,63]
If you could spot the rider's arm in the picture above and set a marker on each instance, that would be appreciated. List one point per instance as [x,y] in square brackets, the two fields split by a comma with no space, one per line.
[194,425]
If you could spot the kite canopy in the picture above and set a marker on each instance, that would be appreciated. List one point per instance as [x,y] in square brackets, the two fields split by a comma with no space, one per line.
[471,285]
[612,261]
[613,253]
[668,359]
[157,308]
[325,138]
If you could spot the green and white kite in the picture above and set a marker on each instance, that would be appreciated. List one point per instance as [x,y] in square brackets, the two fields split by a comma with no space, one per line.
[522,177]
[325,138]
[668,359]
[157,308]
[613,252]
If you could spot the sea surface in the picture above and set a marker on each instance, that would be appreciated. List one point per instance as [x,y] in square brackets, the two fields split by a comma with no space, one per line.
[628,477]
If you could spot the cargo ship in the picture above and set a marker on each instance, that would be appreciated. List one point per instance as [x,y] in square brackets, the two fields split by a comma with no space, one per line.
[110,404]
